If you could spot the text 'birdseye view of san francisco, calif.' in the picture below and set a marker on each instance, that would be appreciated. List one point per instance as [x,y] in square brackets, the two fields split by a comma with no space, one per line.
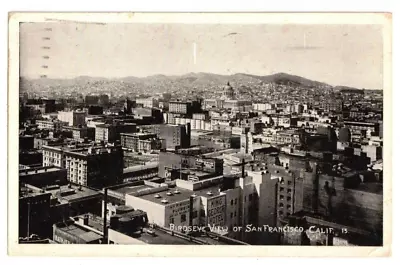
[200,134]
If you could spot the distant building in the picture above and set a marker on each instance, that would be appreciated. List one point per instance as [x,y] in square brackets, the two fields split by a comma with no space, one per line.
[147,102]
[74,118]
[140,142]
[50,124]
[109,133]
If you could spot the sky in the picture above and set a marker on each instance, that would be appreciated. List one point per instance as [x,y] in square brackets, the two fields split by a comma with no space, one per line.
[350,55]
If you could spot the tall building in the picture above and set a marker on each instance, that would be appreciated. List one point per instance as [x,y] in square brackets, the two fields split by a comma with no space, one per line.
[175,136]
[109,133]
[94,166]
[74,118]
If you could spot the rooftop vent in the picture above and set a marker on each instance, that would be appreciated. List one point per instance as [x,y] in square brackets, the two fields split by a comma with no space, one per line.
[177,192]
[157,196]
[209,193]
[169,193]
[164,201]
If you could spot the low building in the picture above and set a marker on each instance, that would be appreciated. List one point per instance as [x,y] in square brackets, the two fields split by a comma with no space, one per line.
[140,142]
[54,125]
[43,176]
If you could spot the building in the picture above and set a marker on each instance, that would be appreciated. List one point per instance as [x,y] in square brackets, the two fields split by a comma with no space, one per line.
[173,165]
[50,124]
[179,107]
[109,133]
[81,133]
[94,166]
[140,142]
[175,136]
[76,231]
[147,102]
[34,212]
[94,110]
[26,142]
[74,118]
[43,176]
[140,172]
[333,106]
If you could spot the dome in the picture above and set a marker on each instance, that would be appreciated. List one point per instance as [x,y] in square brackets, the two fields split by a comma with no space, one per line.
[344,134]
[228,91]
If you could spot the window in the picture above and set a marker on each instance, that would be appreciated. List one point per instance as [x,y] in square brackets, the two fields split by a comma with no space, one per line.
[194,214]
[250,197]
[281,197]
[232,202]
[235,213]
[289,182]
[171,220]
[183,217]
[202,213]
[244,198]
[231,215]
[235,201]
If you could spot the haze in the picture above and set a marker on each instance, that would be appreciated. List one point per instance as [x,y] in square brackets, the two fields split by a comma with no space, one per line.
[350,55]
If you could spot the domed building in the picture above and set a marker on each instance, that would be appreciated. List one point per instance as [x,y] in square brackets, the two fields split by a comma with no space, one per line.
[228,92]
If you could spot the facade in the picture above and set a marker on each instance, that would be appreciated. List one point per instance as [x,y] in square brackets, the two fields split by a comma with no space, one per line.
[94,166]
[109,133]
[140,142]
[50,124]
[180,107]
[147,102]
[74,118]
[175,136]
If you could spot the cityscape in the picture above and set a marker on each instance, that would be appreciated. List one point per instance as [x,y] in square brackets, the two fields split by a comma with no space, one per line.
[198,158]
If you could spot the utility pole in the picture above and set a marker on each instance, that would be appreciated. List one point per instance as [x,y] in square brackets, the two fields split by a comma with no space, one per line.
[243,200]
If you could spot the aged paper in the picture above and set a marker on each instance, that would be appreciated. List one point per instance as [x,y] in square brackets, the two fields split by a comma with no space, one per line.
[260,109]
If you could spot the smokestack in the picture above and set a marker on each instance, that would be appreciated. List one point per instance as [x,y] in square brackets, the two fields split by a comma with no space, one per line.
[105,230]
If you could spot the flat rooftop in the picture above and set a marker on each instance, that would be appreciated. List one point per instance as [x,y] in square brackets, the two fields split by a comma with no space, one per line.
[73,193]
[174,197]
[84,234]
[150,165]
[133,189]
[38,170]
[163,238]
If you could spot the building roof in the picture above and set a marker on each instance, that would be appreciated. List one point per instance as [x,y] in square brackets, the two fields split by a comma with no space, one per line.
[174,197]
[138,168]
[78,231]
[73,193]
[38,170]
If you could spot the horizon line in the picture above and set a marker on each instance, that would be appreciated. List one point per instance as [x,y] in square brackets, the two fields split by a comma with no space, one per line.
[178,75]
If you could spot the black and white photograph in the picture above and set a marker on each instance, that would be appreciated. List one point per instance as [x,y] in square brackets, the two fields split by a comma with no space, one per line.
[201,133]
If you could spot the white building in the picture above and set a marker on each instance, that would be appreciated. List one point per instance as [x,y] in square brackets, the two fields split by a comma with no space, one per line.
[74,118]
